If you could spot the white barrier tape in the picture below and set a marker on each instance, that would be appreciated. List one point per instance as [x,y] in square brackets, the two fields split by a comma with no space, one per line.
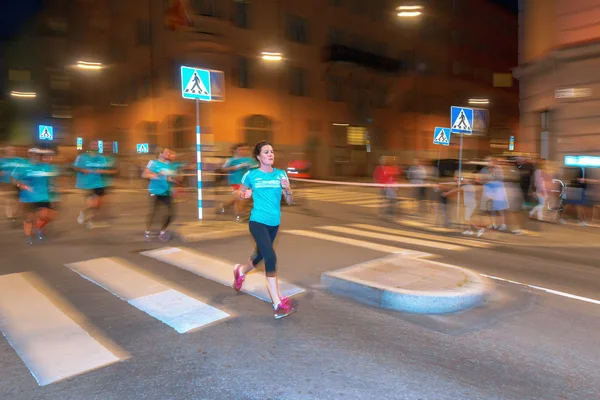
[380,185]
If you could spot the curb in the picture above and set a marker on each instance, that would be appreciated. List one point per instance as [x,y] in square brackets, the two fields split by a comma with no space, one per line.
[410,301]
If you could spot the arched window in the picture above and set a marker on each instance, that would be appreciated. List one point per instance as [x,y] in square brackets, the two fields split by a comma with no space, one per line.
[257,128]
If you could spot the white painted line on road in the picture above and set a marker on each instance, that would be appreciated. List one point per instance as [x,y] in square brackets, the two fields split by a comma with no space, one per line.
[218,270]
[49,342]
[394,238]
[551,291]
[175,309]
[359,243]
[472,243]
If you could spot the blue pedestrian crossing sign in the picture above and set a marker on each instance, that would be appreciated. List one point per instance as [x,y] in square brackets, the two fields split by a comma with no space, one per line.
[461,120]
[195,84]
[142,147]
[441,136]
[46,132]
[100,146]
[79,143]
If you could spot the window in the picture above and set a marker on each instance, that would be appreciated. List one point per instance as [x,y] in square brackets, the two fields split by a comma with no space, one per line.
[241,14]
[296,29]
[356,136]
[143,34]
[243,72]
[335,89]
[298,82]
[335,36]
[207,8]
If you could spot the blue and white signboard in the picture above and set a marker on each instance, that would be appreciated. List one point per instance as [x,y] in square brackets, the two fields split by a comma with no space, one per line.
[46,132]
[100,146]
[481,119]
[511,143]
[116,147]
[582,161]
[441,136]
[142,147]
[461,120]
[79,143]
[195,84]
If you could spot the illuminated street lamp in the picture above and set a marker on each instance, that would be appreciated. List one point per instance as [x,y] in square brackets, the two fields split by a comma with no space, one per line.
[270,56]
[479,101]
[88,65]
[30,95]
[409,11]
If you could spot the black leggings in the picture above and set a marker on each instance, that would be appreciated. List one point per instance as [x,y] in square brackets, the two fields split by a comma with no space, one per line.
[264,236]
[168,202]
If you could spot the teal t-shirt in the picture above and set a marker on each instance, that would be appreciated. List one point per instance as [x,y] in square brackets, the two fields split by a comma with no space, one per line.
[7,167]
[93,162]
[161,186]
[266,193]
[235,176]
[39,177]
[111,163]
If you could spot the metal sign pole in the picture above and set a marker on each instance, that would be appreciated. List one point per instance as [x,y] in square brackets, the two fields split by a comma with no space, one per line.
[460,156]
[199,158]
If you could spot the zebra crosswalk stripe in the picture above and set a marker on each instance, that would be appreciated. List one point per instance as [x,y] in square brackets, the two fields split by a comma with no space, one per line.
[177,310]
[218,270]
[51,344]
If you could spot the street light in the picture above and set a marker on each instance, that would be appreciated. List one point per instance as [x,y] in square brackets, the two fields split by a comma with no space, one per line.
[23,94]
[409,11]
[270,56]
[479,101]
[88,65]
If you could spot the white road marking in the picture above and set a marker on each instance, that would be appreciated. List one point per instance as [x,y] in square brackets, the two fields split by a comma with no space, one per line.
[218,271]
[359,243]
[472,243]
[394,238]
[177,310]
[50,343]
[551,291]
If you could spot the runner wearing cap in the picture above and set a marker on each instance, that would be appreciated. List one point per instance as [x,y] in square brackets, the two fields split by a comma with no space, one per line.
[93,169]
[265,185]
[35,180]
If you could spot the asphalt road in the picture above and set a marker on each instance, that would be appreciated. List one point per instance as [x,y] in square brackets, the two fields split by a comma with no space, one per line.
[524,343]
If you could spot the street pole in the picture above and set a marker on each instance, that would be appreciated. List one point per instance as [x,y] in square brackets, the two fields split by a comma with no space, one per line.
[459,177]
[199,158]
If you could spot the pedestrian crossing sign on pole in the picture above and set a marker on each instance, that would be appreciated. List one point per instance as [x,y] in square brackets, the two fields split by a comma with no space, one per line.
[441,136]
[461,120]
[100,146]
[195,84]
[142,147]
[46,132]
[79,143]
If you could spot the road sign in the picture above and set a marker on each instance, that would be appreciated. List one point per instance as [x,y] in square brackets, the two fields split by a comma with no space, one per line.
[461,120]
[79,143]
[511,143]
[441,136]
[116,147]
[46,132]
[195,84]
[480,120]
[142,147]
[100,146]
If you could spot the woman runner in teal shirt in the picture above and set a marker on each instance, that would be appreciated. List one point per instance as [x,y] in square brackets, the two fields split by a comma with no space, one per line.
[265,185]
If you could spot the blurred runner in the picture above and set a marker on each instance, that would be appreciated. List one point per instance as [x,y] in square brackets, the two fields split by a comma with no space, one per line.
[469,195]
[417,174]
[94,173]
[538,187]
[35,180]
[8,163]
[387,173]
[266,186]
[162,173]
[236,167]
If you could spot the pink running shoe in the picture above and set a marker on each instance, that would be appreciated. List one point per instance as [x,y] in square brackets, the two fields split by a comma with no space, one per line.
[238,279]
[285,308]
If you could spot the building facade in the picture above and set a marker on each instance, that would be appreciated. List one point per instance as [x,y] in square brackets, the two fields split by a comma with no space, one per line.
[353,75]
[559,60]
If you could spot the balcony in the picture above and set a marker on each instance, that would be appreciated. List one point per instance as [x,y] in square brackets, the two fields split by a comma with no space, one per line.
[339,53]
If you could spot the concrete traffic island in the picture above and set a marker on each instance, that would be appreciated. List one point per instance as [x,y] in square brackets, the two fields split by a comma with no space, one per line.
[409,284]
